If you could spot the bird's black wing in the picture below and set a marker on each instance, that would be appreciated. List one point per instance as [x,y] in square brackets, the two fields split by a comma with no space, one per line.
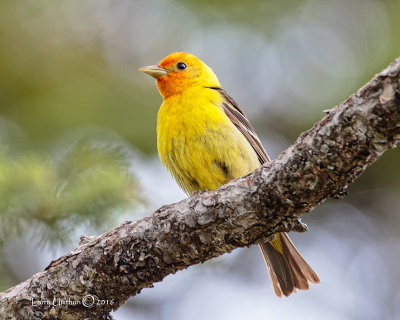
[238,118]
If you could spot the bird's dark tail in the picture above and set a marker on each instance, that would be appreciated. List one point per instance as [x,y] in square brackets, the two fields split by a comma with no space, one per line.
[286,267]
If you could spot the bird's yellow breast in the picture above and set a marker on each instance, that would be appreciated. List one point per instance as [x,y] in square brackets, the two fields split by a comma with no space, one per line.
[198,143]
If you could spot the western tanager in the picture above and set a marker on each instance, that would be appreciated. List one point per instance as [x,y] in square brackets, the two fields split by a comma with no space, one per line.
[205,140]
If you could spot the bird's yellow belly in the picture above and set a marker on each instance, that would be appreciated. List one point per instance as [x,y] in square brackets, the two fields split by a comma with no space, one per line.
[201,147]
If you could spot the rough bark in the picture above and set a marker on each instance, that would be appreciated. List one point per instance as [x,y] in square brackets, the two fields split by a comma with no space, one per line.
[116,265]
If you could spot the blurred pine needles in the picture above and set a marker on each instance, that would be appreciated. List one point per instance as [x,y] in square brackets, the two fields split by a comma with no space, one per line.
[83,180]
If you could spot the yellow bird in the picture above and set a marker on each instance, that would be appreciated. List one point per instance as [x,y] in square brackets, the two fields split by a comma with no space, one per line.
[205,140]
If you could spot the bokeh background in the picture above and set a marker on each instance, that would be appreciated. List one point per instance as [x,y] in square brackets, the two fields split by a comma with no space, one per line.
[78,141]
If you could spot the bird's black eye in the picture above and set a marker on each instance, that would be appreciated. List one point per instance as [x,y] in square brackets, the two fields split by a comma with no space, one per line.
[181,65]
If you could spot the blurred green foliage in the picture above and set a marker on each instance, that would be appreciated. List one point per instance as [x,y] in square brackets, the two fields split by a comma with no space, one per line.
[52,81]
[84,182]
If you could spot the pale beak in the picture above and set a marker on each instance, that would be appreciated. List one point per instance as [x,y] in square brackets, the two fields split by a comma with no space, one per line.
[154,71]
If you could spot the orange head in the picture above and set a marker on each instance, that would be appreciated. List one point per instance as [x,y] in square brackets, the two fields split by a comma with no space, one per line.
[179,72]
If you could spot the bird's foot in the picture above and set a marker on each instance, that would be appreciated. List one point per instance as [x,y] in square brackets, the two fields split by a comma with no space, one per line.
[199,192]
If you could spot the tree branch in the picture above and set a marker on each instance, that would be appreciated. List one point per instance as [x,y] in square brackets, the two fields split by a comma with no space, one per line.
[116,265]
